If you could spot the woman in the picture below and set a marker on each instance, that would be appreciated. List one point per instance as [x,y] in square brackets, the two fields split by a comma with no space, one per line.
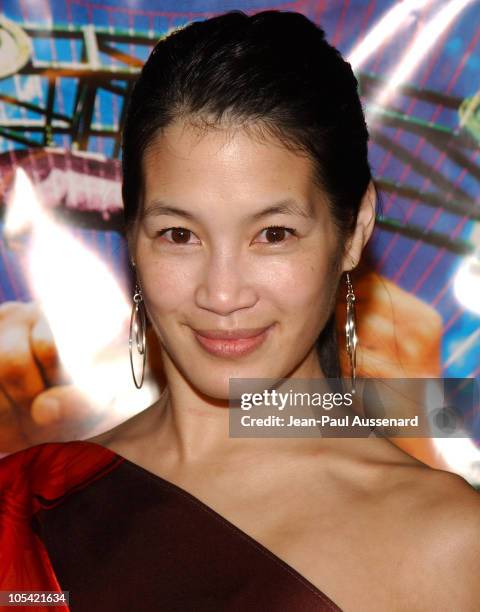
[248,198]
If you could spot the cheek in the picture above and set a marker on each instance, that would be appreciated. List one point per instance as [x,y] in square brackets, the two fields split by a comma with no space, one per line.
[166,286]
[301,285]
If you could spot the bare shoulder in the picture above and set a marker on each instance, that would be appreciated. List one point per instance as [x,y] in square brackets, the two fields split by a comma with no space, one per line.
[434,499]
[452,558]
[451,503]
[427,522]
[438,515]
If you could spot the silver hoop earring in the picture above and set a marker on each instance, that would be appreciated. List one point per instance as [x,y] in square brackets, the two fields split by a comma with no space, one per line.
[137,334]
[350,330]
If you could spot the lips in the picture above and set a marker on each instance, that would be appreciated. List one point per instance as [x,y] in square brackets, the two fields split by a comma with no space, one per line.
[232,343]
[232,334]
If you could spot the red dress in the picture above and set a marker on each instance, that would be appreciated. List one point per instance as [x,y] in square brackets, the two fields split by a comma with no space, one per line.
[76,516]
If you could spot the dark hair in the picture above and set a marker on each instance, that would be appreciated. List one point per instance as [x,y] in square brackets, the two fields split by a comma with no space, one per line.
[273,71]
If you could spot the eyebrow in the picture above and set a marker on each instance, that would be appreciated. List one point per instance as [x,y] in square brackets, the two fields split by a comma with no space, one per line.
[284,207]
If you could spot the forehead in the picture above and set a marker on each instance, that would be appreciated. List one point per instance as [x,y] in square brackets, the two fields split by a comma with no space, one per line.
[223,163]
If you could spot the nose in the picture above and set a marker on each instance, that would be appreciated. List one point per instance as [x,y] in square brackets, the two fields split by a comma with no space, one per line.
[224,287]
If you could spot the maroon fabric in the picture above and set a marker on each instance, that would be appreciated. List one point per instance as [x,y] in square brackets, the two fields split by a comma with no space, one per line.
[133,541]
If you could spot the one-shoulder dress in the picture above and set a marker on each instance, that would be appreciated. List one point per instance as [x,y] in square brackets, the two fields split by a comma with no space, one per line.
[78,517]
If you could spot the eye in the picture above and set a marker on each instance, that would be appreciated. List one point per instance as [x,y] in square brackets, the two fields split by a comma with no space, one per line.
[179,235]
[273,234]
[277,233]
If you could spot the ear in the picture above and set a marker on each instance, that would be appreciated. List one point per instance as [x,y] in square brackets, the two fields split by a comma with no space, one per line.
[363,229]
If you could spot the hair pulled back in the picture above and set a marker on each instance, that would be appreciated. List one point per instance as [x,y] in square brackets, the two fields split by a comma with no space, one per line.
[275,71]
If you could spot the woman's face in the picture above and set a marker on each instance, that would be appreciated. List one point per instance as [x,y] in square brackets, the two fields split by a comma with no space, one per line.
[222,269]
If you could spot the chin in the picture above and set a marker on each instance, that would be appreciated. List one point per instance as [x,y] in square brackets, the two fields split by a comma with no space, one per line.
[215,383]
[214,389]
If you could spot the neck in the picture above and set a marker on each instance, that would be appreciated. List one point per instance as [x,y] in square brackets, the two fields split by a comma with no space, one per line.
[195,427]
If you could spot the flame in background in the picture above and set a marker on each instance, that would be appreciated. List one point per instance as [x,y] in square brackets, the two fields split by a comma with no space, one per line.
[85,307]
